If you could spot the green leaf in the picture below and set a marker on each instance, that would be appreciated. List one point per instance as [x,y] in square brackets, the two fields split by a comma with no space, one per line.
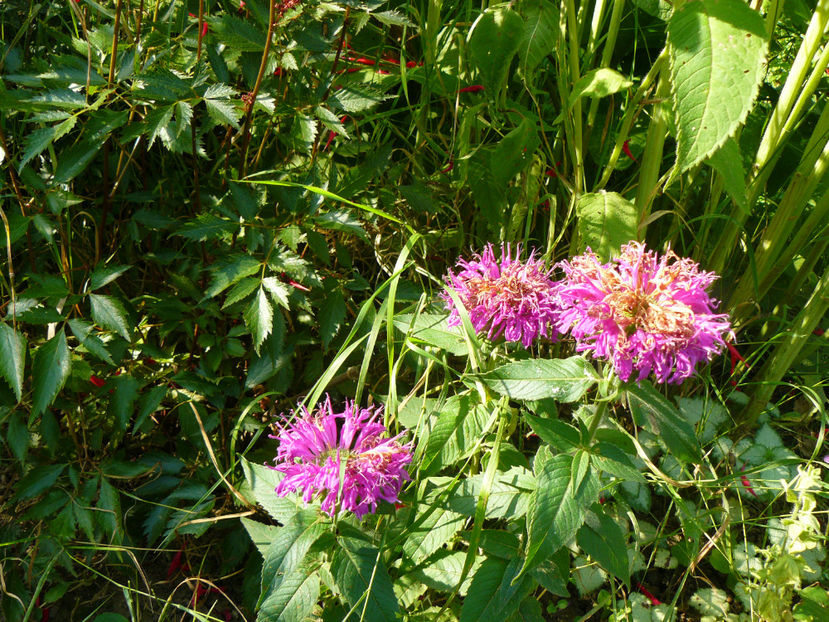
[331,316]
[649,407]
[433,527]
[728,162]
[238,34]
[123,399]
[76,158]
[612,460]
[12,358]
[260,534]
[507,497]
[35,142]
[513,153]
[304,132]
[716,49]
[278,291]
[261,486]
[104,275]
[50,369]
[223,112]
[606,544]
[293,599]
[109,313]
[455,434]
[555,433]
[83,333]
[362,578]
[230,271]
[493,42]
[556,511]
[156,122]
[606,221]
[539,35]
[357,99]
[259,318]
[286,553]
[431,329]
[148,404]
[38,480]
[206,227]
[240,291]
[565,380]
[18,437]
[494,594]
[598,83]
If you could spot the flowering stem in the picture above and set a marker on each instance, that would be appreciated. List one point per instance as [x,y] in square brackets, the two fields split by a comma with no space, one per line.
[601,410]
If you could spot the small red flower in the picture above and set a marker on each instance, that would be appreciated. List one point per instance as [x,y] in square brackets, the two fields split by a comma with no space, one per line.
[475,88]
[98,382]
[746,483]
[654,600]
[626,149]
[449,167]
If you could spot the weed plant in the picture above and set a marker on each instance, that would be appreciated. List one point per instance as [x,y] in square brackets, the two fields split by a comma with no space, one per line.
[218,214]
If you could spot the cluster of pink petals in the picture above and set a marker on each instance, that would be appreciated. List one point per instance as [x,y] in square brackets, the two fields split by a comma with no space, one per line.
[641,312]
[503,296]
[341,457]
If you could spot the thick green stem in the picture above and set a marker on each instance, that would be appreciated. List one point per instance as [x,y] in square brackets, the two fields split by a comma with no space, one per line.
[785,353]
[575,111]
[601,410]
[652,157]
[607,51]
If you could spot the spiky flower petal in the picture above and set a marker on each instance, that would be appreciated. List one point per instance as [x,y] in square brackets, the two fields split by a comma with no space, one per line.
[503,296]
[641,312]
[341,457]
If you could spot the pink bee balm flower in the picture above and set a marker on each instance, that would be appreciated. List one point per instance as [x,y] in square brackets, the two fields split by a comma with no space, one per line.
[641,312]
[506,297]
[341,457]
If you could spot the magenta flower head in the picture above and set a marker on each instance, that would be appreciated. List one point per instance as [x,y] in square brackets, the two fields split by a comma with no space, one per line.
[341,457]
[503,296]
[641,312]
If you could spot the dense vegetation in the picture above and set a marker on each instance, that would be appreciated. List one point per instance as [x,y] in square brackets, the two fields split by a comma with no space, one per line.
[213,211]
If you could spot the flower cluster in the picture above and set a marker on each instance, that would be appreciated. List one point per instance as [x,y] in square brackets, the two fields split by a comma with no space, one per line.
[641,312]
[341,457]
[503,296]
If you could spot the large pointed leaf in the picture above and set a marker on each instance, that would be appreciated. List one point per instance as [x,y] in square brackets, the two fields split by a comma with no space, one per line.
[12,358]
[606,221]
[649,407]
[605,543]
[493,43]
[716,48]
[565,380]
[259,318]
[539,36]
[293,599]
[433,527]
[109,313]
[361,577]
[556,509]
[493,593]
[50,370]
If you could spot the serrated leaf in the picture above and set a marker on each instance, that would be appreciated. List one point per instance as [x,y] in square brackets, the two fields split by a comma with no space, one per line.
[507,496]
[293,600]
[599,82]
[494,594]
[109,313]
[606,221]
[223,112]
[651,408]
[260,534]
[455,433]
[392,18]
[554,432]
[556,511]
[357,99]
[148,404]
[262,482]
[539,35]
[83,333]
[18,437]
[104,275]
[240,291]
[612,460]
[123,399]
[206,227]
[433,527]
[259,318]
[278,291]
[331,316]
[606,544]
[362,578]
[76,158]
[50,369]
[229,272]
[156,122]
[35,142]
[493,42]
[716,49]
[219,91]
[304,132]
[238,34]
[12,358]
[565,380]
[38,480]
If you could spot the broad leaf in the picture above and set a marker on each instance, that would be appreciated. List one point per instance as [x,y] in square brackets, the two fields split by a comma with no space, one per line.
[565,380]
[728,162]
[598,83]
[12,358]
[494,594]
[259,318]
[493,42]
[230,271]
[261,485]
[539,35]
[717,49]
[455,434]
[361,577]
[606,221]
[556,510]
[104,275]
[606,544]
[293,599]
[50,370]
[651,408]
[433,527]
[431,329]
[109,313]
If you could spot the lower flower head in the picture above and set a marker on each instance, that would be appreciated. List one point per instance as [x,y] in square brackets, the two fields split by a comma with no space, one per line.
[641,312]
[342,458]
[503,296]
